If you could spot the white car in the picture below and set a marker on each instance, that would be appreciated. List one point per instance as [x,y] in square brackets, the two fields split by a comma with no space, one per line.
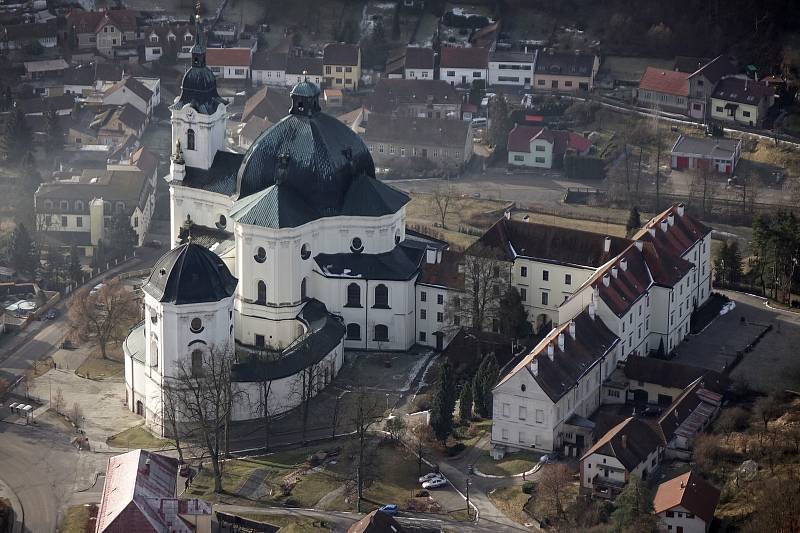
[430,476]
[435,483]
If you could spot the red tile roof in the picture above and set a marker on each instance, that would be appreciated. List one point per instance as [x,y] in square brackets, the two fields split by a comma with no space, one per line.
[464,58]
[228,57]
[665,81]
[444,273]
[93,21]
[520,137]
[630,442]
[679,237]
[689,491]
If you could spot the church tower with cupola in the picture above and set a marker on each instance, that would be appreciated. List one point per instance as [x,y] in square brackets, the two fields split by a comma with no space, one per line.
[199,113]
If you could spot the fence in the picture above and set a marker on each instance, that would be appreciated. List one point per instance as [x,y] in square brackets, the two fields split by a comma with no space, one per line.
[95,272]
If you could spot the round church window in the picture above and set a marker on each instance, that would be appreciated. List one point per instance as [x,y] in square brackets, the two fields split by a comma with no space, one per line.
[305,251]
[356,245]
[196,325]
[261,255]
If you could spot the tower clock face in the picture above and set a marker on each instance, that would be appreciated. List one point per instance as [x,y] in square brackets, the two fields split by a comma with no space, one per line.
[190,114]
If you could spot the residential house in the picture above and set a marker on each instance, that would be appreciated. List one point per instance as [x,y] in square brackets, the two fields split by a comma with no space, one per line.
[410,63]
[174,41]
[687,416]
[37,70]
[445,142]
[354,119]
[665,90]
[342,63]
[77,211]
[333,98]
[548,263]
[229,63]
[20,36]
[132,91]
[416,98]
[249,131]
[462,66]
[544,401]
[267,103]
[512,68]
[113,125]
[140,493]
[61,105]
[631,448]
[79,80]
[439,281]
[269,68]
[530,146]
[703,81]
[103,30]
[686,504]
[741,100]
[649,380]
[377,522]
[564,72]
[706,153]
[299,68]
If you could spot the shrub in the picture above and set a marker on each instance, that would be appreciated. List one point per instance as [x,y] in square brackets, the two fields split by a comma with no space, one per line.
[455,449]
[529,487]
[422,402]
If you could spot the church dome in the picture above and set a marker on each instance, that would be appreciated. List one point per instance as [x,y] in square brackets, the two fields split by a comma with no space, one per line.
[190,274]
[309,152]
[199,84]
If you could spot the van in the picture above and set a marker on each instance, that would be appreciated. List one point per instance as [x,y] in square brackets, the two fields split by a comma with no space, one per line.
[479,122]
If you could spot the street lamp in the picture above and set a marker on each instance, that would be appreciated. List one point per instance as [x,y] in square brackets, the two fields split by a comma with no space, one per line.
[469,482]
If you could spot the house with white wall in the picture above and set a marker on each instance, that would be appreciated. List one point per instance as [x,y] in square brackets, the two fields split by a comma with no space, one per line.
[741,100]
[686,504]
[631,448]
[269,68]
[462,66]
[537,147]
[512,68]
[706,153]
[230,63]
[410,63]
[544,402]
[135,91]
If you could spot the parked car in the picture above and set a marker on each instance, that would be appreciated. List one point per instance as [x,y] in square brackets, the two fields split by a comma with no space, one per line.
[435,483]
[428,477]
[51,314]
[390,509]
[97,288]
[67,345]
[651,411]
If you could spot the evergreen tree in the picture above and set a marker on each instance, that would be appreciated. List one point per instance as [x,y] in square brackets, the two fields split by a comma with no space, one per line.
[512,315]
[634,220]
[477,92]
[122,238]
[465,402]
[634,512]
[733,263]
[74,268]
[719,263]
[55,134]
[22,252]
[500,123]
[482,385]
[444,402]
[17,138]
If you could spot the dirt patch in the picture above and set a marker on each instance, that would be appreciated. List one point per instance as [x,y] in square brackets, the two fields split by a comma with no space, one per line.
[101,369]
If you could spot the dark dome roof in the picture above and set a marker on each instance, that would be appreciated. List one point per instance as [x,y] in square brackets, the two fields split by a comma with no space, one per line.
[190,274]
[308,151]
[199,85]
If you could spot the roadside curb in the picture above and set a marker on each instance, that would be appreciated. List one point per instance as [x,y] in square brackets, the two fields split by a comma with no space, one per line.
[16,505]
[536,468]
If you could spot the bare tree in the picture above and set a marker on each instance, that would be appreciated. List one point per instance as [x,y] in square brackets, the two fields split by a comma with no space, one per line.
[304,387]
[171,402]
[76,415]
[205,399]
[552,486]
[367,411]
[486,278]
[704,187]
[443,196]
[58,401]
[396,428]
[263,403]
[104,316]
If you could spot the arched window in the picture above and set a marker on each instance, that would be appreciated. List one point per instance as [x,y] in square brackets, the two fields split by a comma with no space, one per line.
[222,222]
[303,289]
[381,332]
[260,255]
[153,353]
[190,139]
[353,295]
[197,363]
[305,251]
[381,297]
[353,332]
[261,297]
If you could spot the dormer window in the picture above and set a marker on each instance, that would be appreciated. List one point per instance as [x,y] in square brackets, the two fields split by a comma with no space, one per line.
[188,37]
[171,38]
[154,38]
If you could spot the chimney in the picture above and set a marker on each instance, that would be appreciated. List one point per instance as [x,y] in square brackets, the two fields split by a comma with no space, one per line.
[591,311]
[671,219]
[561,341]
[639,245]
[681,209]
[551,351]
[607,244]
[664,226]
[624,441]
[572,328]
[146,469]
[535,367]
[623,263]
[614,272]
[606,280]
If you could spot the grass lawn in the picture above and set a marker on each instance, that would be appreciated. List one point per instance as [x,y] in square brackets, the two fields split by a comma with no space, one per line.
[100,369]
[513,463]
[290,524]
[510,500]
[76,519]
[136,437]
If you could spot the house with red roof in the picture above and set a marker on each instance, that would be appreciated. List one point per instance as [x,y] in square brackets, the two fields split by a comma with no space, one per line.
[230,63]
[686,503]
[102,30]
[538,147]
[139,495]
[666,90]
[462,66]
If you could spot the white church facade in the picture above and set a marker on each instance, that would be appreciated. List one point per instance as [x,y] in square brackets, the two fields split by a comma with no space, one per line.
[293,249]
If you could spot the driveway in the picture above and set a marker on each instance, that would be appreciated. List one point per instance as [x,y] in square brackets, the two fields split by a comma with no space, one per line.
[771,365]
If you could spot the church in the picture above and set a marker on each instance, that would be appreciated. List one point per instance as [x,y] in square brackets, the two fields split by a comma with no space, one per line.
[293,249]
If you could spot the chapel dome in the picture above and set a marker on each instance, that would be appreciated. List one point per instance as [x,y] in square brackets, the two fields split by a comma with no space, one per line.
[190,274]
[199,84]
[308,151]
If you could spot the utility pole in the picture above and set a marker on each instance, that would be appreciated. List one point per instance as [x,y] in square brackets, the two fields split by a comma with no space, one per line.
[469,482]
